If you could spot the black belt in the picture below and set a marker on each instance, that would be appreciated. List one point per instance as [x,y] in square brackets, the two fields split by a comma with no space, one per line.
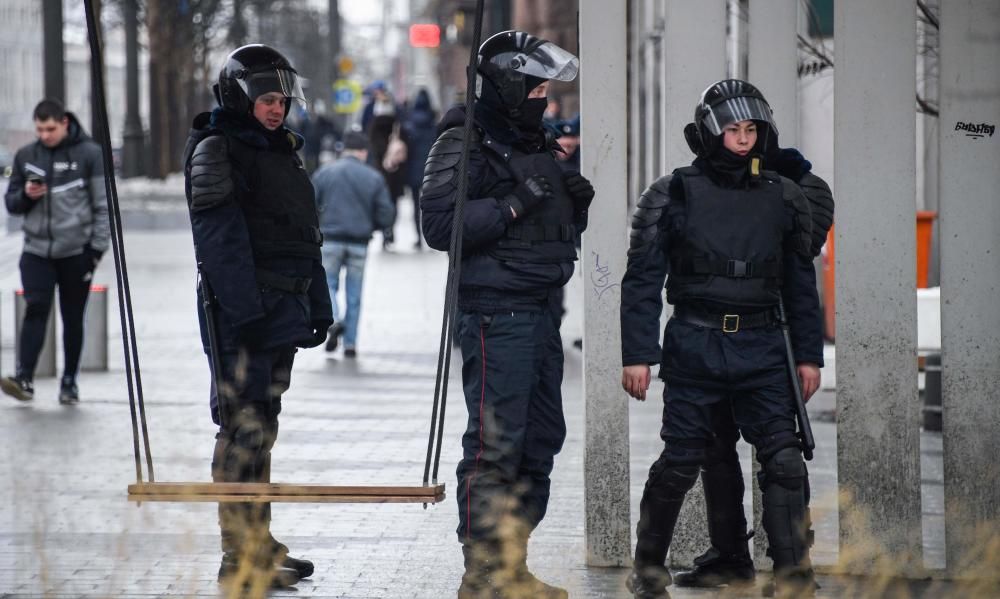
[727,323]
[536,232]
[281,282]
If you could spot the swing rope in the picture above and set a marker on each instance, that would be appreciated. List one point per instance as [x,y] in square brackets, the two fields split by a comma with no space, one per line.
[103,136]
[434,442]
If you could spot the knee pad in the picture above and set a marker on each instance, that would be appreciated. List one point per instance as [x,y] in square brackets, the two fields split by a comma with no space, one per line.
[244,445]
[772,437]
[670,481]
[786,468]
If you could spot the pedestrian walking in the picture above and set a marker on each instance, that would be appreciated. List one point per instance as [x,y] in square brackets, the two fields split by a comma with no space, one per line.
[57,185]
[353,201]
[522,212]
[388,147]
[727,560]
[723,346]
[421,131]
[257,242]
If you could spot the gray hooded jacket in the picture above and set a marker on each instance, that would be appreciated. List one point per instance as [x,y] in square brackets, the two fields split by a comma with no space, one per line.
[73,215]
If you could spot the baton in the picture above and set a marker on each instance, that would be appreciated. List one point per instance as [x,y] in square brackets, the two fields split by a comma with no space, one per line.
[208,305]
[805,429]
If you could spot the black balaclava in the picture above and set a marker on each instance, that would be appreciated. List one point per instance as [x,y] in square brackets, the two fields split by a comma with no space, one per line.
[521,126]
[728,168]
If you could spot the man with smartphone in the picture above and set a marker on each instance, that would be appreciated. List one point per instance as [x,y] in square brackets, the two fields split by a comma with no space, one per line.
[57,185]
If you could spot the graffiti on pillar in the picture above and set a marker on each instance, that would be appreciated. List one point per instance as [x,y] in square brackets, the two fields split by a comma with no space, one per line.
[975,130]
[601,277]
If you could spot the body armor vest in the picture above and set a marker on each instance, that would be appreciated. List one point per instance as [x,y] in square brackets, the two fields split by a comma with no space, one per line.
[278,203]
[729,249]
[546,234]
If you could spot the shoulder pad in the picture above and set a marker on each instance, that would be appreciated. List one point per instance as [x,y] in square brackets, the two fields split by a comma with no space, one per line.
[688,171]
[211,173]
[796,200]
[820,199]
[648,213]
[441,167]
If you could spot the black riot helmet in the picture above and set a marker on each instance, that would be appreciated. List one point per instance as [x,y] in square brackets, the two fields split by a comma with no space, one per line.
[515,62]
[252,71]
[725,102]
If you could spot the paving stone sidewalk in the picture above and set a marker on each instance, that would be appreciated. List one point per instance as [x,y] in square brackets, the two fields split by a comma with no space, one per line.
[67,530]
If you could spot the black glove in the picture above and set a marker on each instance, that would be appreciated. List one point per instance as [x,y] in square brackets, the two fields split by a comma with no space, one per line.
[529,193]
[579,189]
[320,328]
[93,255]
[790,163]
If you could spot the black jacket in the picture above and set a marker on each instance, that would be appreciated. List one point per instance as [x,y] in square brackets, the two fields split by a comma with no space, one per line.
[655,220]
[487,283]
[251,311]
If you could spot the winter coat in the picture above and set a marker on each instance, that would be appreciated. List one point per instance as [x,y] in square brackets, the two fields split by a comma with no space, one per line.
[353,201]
[73,215]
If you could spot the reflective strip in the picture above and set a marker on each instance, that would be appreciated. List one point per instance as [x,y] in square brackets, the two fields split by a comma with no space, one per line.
[37,170]
[68,186]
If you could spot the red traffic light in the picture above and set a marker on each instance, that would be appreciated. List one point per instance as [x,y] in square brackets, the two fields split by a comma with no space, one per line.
[425,35]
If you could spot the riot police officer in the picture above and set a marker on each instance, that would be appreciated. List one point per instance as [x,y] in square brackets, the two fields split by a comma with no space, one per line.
[521,215]
[728,559]
[257,242]
[735,240]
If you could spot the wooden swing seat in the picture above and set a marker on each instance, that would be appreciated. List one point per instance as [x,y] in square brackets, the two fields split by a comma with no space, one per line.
[186,492]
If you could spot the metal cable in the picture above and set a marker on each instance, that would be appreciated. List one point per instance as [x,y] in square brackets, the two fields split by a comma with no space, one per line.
[454,264]
[103,136]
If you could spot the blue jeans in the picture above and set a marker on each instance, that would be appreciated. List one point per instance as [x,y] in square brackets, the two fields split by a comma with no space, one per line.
[351,257]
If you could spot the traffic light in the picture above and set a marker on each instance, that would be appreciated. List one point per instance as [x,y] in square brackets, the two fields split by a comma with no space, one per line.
[425,35]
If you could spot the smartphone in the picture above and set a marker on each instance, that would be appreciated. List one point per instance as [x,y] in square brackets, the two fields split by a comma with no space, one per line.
[36,180]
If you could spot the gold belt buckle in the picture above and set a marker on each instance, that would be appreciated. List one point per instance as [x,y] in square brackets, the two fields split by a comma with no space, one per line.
[734,319]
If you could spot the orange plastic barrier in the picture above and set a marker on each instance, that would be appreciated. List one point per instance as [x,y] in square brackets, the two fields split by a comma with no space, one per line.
[925,227]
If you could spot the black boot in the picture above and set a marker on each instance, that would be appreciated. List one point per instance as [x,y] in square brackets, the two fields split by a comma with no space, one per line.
[482,570]
[524,583]
[303,567]
[728,560]
[783,481]
[238,576]
[658,511]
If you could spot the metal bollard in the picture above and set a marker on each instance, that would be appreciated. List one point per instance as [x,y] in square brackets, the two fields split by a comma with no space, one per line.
[47,358]
[94,356]
[932,393]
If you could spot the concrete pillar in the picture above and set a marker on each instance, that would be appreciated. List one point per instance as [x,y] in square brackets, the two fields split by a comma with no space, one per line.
[603,85]
[970,281]
[773,67]
[773,62]
[878,415]
[695,51]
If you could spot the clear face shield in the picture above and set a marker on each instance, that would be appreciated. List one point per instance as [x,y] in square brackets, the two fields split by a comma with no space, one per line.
[545,61]
[282,81]
[734,110]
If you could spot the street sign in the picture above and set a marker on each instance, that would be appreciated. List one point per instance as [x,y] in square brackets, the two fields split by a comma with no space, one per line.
[345,65]
[346,96]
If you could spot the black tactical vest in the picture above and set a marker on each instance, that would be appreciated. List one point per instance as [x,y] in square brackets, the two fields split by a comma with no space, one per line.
[729,249]
[278,202]
[545,235]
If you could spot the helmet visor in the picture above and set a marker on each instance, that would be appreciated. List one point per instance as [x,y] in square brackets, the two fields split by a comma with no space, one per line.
[546,61]
[283,81]
[734,110]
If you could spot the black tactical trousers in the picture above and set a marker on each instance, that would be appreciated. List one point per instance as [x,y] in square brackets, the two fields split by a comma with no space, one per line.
[252,386]
[512,367]
[692,423]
